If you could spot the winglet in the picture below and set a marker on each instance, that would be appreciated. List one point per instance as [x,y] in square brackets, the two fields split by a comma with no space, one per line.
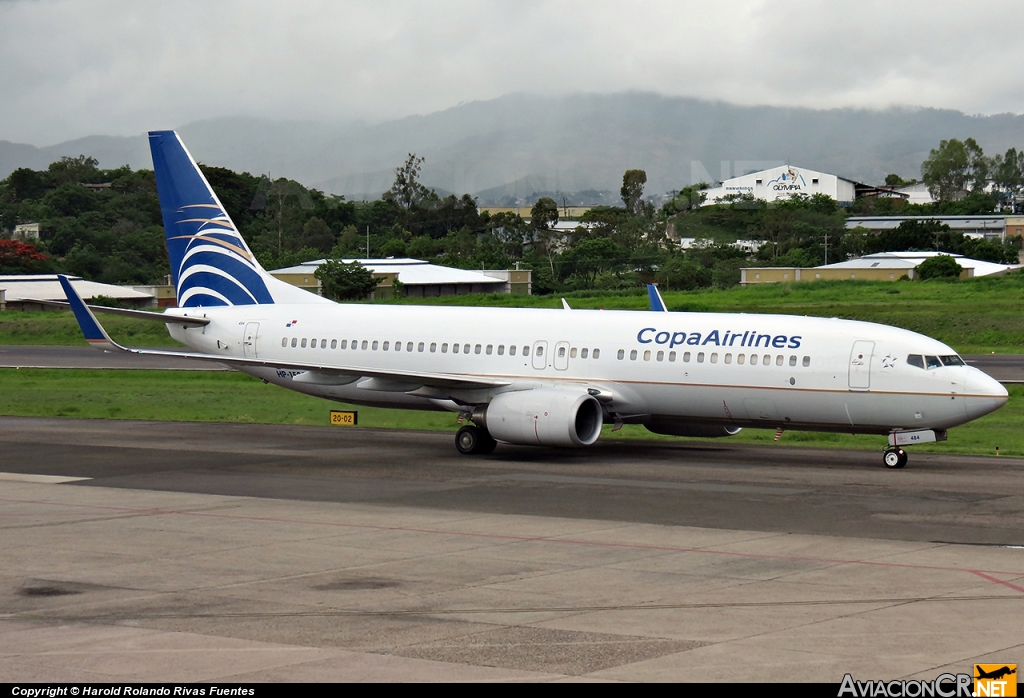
[91,328]
[657,304]
[565,305]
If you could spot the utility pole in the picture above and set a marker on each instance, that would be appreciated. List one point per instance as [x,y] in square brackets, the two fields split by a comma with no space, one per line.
[367,242]
[826,249]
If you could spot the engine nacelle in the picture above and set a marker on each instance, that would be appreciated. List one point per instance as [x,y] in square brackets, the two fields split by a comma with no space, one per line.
[674,427]
[543,417]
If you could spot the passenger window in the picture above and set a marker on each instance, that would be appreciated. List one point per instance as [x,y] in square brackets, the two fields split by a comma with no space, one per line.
[647,355]
[700,357]
[455,348]
[526,350]
[334,344]
[632,355]
[932,362]
[433,347]
[621,354]
[344,344]
[465,348]
[728,358]
[806,361]
[672,356]
[294,341]
[714,358]
[490,348]
[741,358]
[597,354]
[792,360]
[284,341]
[766,360]
[386,345]
[408,346]
[398,346]
[323,343]
[753,359]
[419,347]
[660,356]
[476,349]
[303,342]
[312,344]
[686,357]
[444,348]
[583,353]
[779,360]
[501,350]
[355,344]
[512,350]
[572,353]
[561,352]
[375,345]
[364,345]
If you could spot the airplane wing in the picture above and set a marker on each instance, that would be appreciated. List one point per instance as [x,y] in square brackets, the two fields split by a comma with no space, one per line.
[98,337]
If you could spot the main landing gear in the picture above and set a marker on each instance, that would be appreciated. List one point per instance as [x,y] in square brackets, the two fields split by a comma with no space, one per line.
[472,440]
[894,458]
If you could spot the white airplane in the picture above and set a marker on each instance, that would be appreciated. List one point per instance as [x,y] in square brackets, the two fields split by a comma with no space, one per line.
[545,377]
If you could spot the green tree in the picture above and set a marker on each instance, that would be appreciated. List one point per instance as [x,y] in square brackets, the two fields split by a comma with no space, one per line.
[406,189]
[543,217]
[343,282]
[939,266]
[1008,172]
[955,167]
[632,191]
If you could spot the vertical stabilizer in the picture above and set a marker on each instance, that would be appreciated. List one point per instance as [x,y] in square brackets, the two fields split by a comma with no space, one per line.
[210,262]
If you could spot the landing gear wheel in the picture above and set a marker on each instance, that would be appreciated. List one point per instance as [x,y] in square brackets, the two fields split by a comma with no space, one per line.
[471,440]
[895,458]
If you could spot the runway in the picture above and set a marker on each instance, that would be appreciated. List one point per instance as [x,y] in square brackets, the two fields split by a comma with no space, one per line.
[1008,368]
[253,552]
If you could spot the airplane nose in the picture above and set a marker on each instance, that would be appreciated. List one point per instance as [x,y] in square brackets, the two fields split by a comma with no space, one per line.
[984,394]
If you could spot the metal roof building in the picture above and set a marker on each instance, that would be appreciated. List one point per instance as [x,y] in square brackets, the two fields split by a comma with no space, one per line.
[784,181]
[18,291]
[883,266]
[988,227]
[419,279]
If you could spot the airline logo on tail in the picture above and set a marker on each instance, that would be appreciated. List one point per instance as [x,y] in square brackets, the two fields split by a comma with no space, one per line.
[210,262]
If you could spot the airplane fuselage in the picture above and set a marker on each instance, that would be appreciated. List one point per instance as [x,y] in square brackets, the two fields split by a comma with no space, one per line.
[734,370]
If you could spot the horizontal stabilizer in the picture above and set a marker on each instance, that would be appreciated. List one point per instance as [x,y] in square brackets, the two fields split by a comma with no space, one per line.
[130,312]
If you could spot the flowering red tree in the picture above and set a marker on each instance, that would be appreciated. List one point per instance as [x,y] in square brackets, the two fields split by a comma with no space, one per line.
[18,257]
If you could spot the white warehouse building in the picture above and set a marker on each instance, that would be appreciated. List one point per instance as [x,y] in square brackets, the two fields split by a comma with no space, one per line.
[784,181]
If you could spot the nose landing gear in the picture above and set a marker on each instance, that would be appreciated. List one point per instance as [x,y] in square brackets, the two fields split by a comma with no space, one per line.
[895,458]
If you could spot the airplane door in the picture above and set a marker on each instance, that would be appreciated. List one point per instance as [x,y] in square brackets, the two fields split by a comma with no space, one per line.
[561,358]
[252,330]
[540,355]
[860,365]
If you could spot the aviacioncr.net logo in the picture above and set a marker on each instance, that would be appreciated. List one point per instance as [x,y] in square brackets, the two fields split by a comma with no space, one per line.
[943,686]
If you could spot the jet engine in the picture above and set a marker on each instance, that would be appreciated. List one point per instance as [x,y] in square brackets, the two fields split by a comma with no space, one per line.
[543,417]
[673,427]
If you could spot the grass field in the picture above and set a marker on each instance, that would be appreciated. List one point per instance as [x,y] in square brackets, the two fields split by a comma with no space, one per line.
[973,316]
[234,397]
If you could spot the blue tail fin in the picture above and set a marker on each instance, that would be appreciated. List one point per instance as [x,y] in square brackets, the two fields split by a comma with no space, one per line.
[210,262]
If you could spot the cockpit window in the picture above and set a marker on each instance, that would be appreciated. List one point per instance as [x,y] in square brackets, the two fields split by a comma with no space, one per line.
[915,360]
[952,360]
[932,362]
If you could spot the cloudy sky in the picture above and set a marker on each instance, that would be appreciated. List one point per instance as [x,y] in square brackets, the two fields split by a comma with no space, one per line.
[70,68]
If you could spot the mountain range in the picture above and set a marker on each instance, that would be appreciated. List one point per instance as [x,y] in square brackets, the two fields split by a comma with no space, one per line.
[577,145]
